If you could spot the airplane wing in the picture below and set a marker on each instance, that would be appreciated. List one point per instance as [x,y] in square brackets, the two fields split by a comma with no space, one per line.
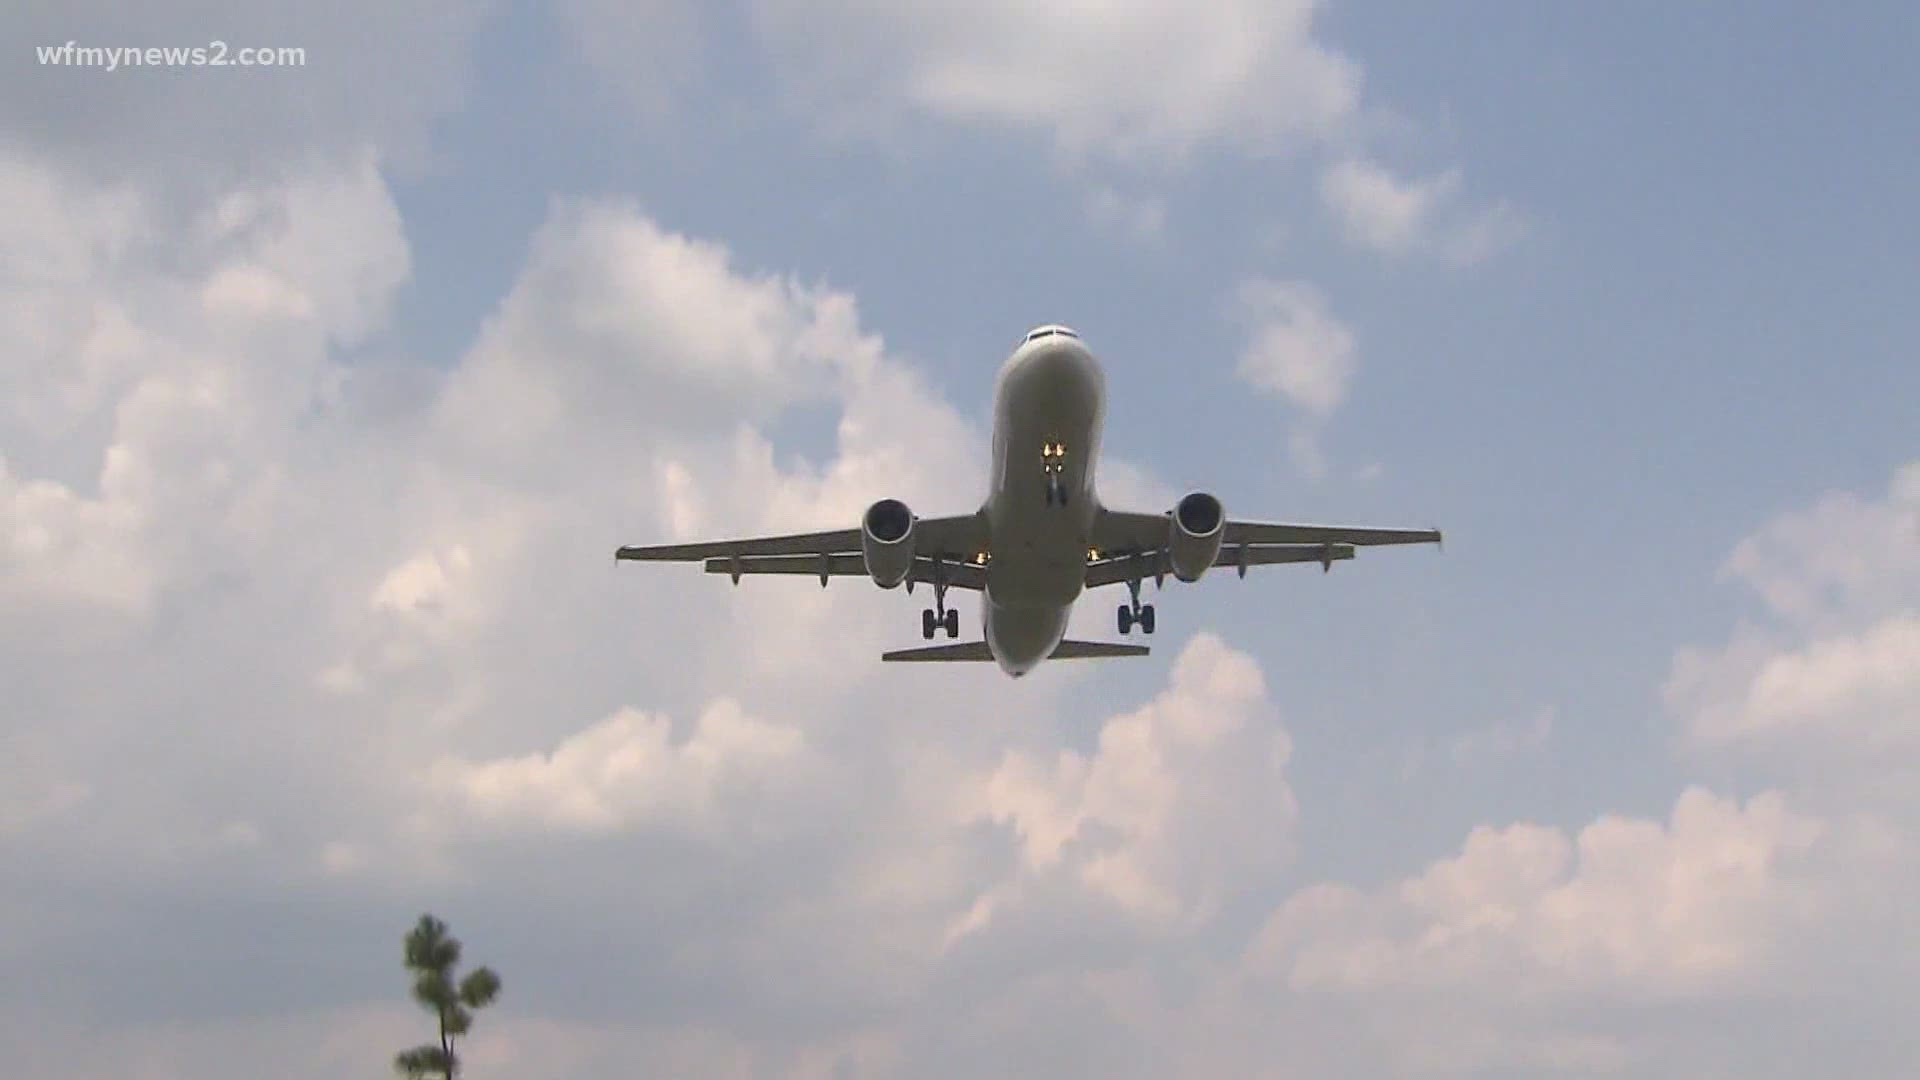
[1135,544]
[954,540]
[1119,530]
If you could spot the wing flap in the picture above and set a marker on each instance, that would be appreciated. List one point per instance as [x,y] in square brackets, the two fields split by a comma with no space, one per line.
[959,575]
[1125,567]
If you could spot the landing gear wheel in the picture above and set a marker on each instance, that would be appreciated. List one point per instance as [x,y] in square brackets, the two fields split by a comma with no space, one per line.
[1146,619]
[926,624]
[1126,619]
[953,622]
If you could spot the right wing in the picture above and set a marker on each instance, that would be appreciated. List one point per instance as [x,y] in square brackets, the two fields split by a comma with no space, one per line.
[955,541]
[1120,530]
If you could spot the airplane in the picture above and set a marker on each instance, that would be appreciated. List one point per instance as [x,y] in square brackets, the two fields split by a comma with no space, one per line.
[1042,537]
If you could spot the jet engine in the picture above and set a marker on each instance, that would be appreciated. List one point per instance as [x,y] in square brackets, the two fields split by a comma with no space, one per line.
[886,542]
[1197,527]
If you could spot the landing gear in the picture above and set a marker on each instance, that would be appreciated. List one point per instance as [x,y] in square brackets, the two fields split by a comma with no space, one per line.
[1053,460]
[940,616]
[1135,613]
[1130,618]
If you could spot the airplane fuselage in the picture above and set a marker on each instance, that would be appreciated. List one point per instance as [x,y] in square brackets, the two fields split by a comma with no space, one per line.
[1049,406]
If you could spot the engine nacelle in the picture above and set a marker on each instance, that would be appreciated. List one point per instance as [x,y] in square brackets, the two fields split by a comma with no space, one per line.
[886,542]
[1198,524]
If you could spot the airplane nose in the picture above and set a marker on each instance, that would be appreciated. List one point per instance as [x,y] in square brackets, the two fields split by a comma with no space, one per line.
[1062,364]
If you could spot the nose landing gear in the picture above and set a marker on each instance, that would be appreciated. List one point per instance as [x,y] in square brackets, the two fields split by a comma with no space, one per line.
[1053,459]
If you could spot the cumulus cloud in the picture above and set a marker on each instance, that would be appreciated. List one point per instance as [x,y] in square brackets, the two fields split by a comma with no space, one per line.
[411,672]
[1627,905]
[1247,75]
[1385,213]
[1297,349]
[1380,211]
[622,769]
[417,667]
[1830,674]
[1181,802]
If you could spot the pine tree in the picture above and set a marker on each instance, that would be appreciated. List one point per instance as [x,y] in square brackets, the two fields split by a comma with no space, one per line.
[431,956]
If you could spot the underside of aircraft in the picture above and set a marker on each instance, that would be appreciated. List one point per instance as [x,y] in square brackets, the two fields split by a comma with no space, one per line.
[1042,537]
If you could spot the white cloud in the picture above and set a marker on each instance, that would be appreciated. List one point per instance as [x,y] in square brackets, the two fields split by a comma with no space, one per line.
[412,668]
[1382,212]
[1183,801]
[1244,74]
[1295,347]
[621,771]
[1831,676]
[1626,906]
[1140,219]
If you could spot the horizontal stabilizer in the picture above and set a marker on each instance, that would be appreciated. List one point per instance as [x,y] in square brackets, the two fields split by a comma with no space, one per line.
[1087,650]
[977,651]
[966,650]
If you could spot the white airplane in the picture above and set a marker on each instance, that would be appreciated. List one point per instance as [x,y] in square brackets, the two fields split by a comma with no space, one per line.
[1042,536]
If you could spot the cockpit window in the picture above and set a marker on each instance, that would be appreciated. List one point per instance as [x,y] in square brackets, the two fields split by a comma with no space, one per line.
[1048,331]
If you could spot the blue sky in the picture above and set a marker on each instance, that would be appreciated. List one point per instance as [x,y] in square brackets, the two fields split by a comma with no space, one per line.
[334,388]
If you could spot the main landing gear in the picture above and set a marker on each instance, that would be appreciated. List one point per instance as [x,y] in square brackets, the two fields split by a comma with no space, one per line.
[948,619]
[940,616]
[1135,613]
